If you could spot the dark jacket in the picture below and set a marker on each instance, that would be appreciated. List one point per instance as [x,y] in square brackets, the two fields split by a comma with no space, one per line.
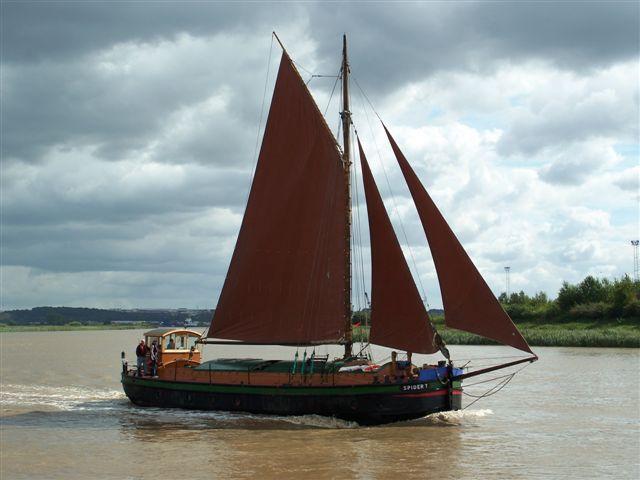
[142,351]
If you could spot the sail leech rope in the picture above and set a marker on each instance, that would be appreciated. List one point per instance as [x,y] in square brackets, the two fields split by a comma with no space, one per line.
[264,96]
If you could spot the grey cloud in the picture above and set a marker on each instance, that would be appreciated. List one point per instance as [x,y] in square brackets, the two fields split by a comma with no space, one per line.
[84,102]
[107,198]
[565,124]
[576,163]
[414,40]
[36,31]
[567,172]
[572,34]
[425,36]
[110,289]
[629,181]
[56,93]
[167,243]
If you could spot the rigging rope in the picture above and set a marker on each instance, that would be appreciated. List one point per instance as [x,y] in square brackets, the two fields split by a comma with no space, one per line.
[487,381]
[477,365]
[492,391]
[331,96]
[264,96]
[393,198]
[489,358]
[496,388]
[359,223]
[298,65]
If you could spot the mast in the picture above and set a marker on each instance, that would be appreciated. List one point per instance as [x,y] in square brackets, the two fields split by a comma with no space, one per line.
[346,161]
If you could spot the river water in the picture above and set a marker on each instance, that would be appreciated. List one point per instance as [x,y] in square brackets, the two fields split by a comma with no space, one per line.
[573,414]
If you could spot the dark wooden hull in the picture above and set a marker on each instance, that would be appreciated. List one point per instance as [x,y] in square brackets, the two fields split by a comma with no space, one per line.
[365,404]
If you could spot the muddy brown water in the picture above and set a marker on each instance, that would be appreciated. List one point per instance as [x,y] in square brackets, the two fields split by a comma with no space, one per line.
[573,414]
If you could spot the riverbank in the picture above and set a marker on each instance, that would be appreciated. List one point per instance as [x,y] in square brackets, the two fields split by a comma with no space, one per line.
[68,328]
[574,334]
[613,333]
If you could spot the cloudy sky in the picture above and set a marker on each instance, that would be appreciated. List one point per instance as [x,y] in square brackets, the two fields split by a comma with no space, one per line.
[129,134]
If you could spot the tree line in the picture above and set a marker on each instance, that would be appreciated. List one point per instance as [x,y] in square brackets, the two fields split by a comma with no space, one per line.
[92,316]
[593,298]
[590,299]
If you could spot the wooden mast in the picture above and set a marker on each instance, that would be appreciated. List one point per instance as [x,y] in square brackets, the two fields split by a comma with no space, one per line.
[346,159]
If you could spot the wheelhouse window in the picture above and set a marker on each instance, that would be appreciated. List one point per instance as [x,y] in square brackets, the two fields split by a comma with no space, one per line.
[191,342]
[182,341]
[170,342]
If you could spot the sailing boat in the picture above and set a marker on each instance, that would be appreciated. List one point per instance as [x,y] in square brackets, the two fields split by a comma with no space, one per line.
[289,283]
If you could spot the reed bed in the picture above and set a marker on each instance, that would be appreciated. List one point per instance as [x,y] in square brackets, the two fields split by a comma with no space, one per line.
[575,334]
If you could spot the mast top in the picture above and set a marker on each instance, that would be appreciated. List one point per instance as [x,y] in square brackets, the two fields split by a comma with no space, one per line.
[278,39]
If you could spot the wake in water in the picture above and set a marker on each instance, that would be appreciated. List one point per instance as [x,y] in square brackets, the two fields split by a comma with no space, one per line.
[456,417]
[61,398]
[85,400]
[39,398]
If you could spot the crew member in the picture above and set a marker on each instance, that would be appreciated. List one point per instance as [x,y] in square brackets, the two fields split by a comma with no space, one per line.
[141,355]
[154,358]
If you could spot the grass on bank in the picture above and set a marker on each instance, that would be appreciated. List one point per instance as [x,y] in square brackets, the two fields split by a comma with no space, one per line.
[615,333]
[73,326]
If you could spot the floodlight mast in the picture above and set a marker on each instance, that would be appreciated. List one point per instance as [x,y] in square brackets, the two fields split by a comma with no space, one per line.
[636,260]
[507,270]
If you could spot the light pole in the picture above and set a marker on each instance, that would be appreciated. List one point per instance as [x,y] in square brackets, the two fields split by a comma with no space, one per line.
[506,279]
[636,262]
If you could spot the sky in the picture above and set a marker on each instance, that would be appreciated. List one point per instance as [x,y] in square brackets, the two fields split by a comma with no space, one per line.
[129,134]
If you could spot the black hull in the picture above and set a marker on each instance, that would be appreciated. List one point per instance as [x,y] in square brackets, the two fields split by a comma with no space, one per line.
[366,405]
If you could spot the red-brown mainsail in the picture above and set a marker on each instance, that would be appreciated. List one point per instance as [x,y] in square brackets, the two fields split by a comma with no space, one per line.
[398,316]
[285,283]
[468,302]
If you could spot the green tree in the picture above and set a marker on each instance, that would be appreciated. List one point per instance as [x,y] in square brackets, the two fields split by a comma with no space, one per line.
[540,299]
[624,292]
[568,296]
[519,298]
[591,290]
[55,319]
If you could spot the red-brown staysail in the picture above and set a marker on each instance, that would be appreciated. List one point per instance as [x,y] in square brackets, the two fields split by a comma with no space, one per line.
[398,316]
[285,283]
[468,302]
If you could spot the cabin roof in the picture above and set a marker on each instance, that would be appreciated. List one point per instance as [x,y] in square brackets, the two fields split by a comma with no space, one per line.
[161,332]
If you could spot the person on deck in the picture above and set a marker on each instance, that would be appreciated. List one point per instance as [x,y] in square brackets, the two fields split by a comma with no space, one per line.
[172,344]
[154,358]
[141,355]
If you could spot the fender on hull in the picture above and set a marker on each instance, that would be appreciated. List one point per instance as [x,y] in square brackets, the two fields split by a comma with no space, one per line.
[369,405]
